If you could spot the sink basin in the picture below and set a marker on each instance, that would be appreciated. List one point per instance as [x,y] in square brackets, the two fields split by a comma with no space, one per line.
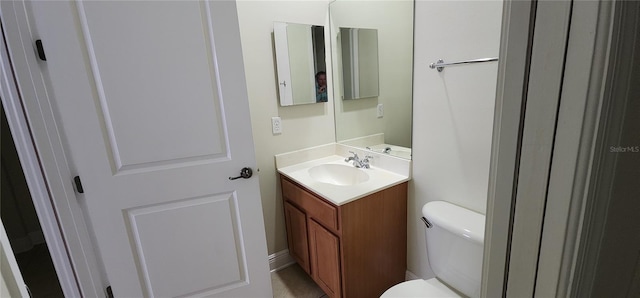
[337,174]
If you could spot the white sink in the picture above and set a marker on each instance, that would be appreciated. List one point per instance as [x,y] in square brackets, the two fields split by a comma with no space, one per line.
[339,182]
[337,174]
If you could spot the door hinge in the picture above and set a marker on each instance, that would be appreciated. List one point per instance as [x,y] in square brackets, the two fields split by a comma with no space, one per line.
[109,292]
[40,50]
[78,184]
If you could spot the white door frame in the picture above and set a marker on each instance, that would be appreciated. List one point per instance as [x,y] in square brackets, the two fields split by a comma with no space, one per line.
[42,155]
[596,196]
[540,180]
[576,145]
[512,79]
[33,175]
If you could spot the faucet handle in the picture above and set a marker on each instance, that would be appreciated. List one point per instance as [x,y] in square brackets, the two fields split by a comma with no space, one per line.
[365,162]
[350,158]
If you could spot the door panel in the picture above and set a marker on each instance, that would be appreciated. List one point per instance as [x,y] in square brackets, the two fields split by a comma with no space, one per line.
[170,73]
[152,104]
[213,227]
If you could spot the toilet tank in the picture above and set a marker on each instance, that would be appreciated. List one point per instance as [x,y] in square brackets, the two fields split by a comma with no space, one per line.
[455,241]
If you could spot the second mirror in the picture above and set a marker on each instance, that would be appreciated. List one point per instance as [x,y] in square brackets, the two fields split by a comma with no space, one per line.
[359,49]
[300,62]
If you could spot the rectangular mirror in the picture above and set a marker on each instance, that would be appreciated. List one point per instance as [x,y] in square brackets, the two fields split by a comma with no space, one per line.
[381,122]
[359,48]
[300,63]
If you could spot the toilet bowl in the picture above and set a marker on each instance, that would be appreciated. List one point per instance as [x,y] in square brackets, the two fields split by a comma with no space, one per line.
[420,288]
[455,239]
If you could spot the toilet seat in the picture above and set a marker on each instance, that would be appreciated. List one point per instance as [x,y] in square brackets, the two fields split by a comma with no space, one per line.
[420,288]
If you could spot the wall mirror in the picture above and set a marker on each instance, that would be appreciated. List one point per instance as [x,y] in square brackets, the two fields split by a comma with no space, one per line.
[359,62]
[300,63]
[380,122]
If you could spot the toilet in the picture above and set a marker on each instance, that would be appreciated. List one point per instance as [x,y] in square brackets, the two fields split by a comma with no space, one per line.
[455,238]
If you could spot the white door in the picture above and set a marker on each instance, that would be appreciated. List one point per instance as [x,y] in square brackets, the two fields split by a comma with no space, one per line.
[152,101]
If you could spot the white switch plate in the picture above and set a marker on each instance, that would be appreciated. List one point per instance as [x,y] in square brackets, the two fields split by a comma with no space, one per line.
[380,110]
[276,125]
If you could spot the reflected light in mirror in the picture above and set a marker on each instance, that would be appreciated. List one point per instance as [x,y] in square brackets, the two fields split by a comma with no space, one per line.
[380,120]
[359,49]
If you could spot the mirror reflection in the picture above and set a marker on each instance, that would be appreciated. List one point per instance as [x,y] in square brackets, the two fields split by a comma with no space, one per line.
[359,48]
[300,63]
[380,122]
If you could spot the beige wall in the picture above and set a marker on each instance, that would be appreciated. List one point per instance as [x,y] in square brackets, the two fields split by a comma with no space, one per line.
[453,111]
[392,19]
[303,126]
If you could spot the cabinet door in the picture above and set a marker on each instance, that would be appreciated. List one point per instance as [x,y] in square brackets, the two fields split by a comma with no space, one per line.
[296,222]
[325,259]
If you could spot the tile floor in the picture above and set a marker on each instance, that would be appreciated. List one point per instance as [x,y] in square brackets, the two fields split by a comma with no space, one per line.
[293,282]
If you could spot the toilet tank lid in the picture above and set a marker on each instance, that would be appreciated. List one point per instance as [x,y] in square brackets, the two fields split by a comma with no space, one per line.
[455,219]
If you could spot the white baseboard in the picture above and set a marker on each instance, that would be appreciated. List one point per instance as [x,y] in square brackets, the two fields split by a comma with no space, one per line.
[280,260]
[410,276]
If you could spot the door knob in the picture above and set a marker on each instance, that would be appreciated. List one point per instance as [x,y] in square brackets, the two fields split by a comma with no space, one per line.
[245,173]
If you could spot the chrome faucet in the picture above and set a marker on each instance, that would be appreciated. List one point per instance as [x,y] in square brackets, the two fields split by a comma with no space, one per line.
[357,162]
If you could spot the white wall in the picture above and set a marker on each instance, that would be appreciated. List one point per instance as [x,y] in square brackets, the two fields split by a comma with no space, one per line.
[303,126]
[453,111]
[392,19]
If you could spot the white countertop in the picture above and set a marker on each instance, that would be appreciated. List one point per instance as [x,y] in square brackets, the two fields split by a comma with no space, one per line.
[341,194]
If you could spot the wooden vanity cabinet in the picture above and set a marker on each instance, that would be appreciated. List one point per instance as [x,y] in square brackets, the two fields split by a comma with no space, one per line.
[358,249]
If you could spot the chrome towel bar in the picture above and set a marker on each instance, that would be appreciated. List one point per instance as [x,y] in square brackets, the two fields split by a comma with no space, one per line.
[440,64]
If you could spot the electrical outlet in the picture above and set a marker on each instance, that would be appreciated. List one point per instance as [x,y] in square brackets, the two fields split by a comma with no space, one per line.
[276,125]
[380,110]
